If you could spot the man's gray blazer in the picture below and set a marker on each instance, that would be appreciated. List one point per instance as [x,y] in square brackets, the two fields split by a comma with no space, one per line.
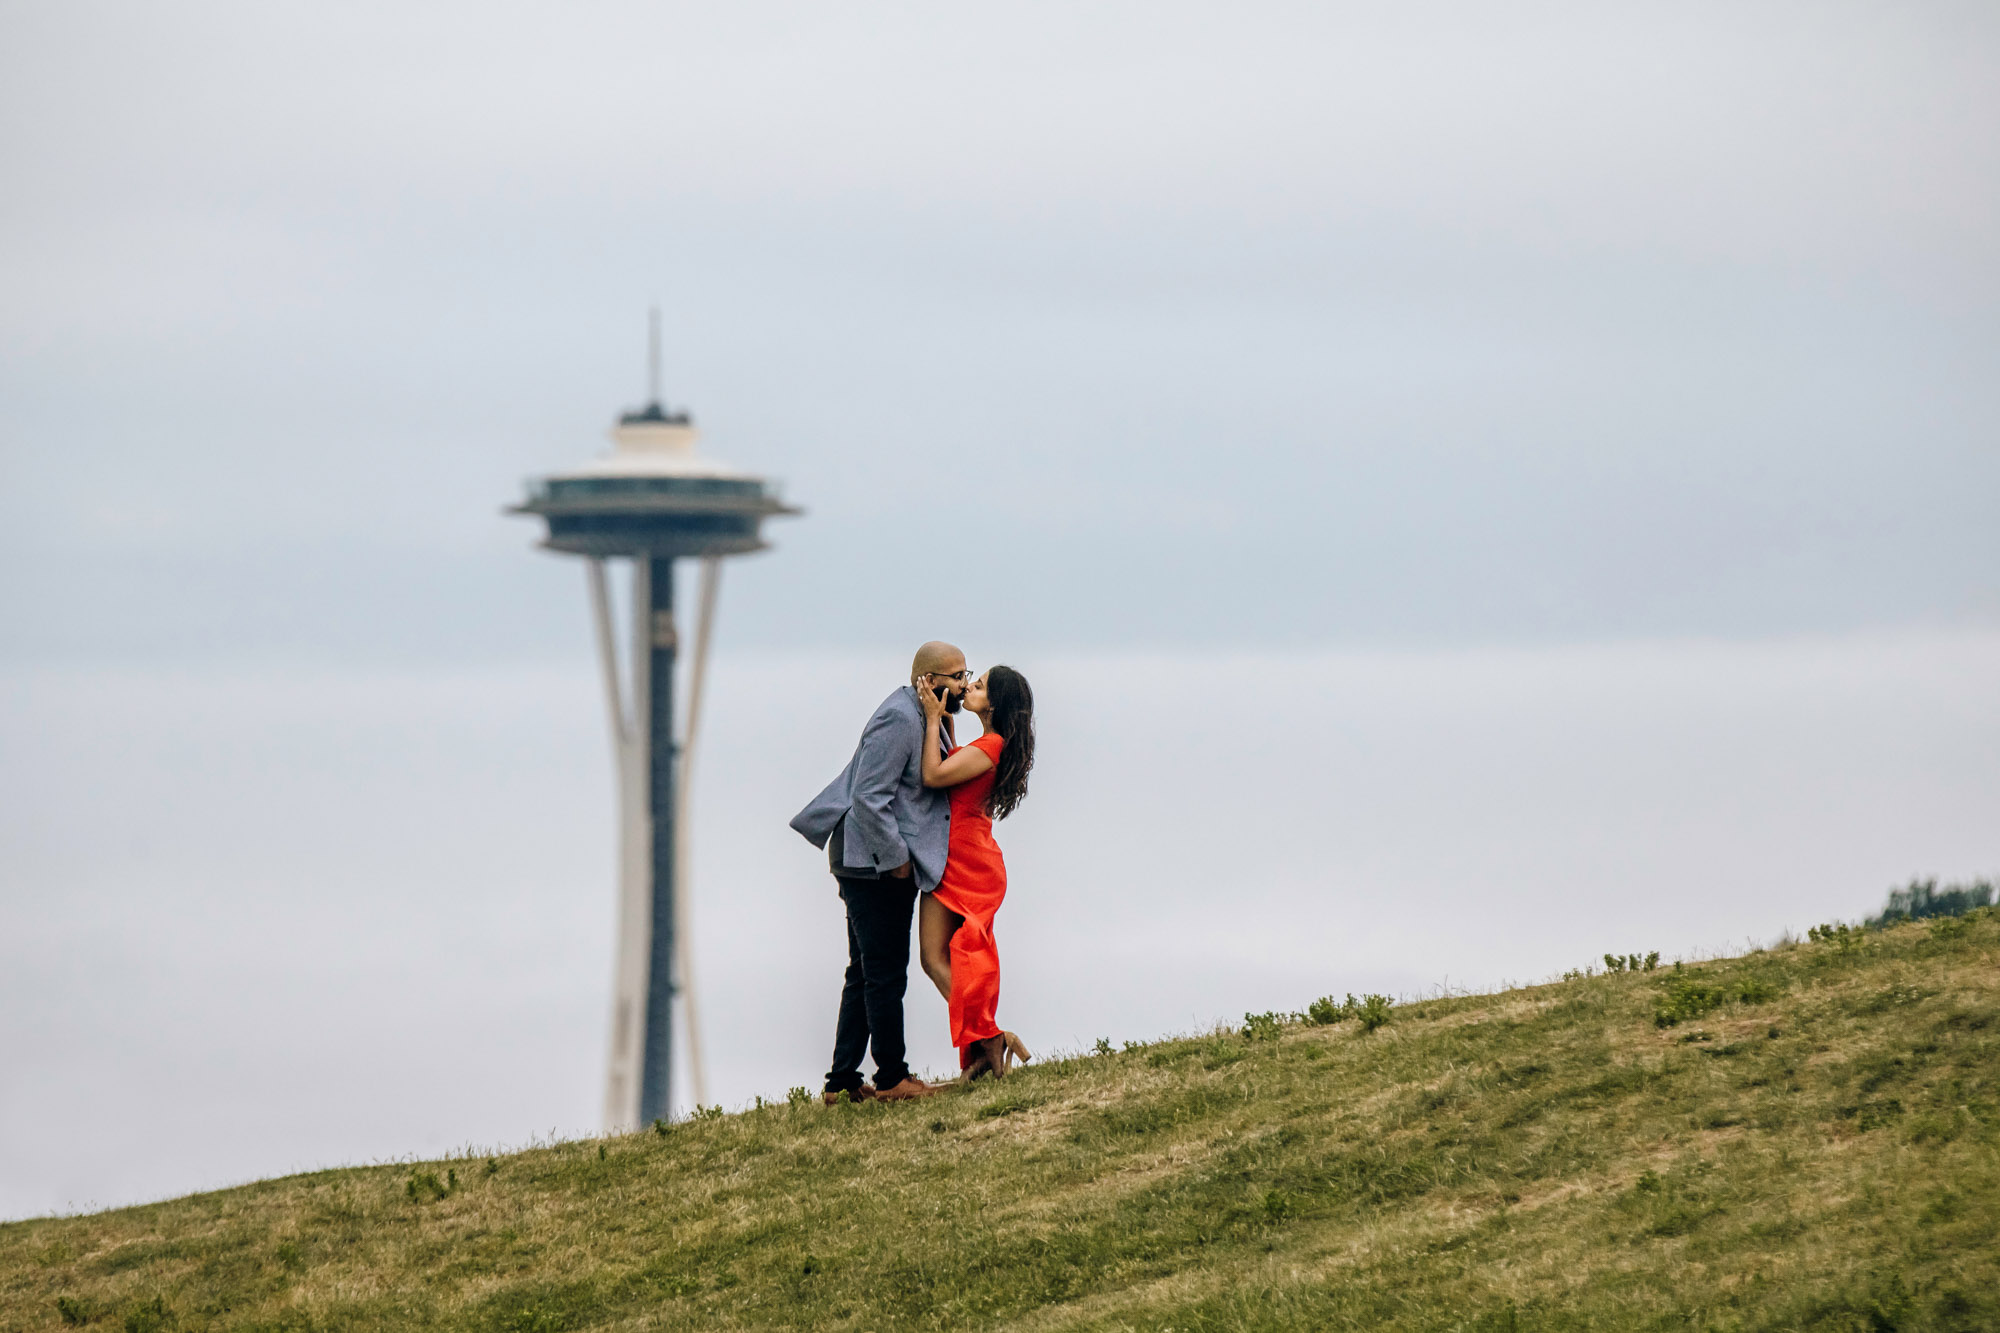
[891,816]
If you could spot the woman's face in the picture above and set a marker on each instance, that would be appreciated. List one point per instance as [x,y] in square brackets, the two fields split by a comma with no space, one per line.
[975,696]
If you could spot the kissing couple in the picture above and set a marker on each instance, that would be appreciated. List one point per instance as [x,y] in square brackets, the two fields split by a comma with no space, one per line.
[910,820]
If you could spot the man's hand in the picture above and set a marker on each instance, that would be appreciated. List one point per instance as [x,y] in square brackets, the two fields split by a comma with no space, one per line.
[900,872]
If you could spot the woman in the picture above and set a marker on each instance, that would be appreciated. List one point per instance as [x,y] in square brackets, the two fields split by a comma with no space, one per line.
[987,779]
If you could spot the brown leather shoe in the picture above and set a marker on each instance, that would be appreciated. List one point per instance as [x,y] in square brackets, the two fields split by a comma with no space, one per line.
[908,1090]
[864,1093]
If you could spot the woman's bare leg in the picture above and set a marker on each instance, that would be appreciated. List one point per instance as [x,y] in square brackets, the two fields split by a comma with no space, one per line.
[936,924]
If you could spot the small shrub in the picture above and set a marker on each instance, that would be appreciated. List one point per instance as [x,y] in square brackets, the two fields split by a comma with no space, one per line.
[601,1154]
[1373,1011]
[797,1097]
[1103,1046]
[661,1127]
[1631,962]
[73,1311]
[1261,1027]
[1685,999]
[1323,1012]
[1946,928]
[1753,990]
[288,1255]
[1844,938]
[425,1187]
[1220,1051]
[492,1167]
[707,1112]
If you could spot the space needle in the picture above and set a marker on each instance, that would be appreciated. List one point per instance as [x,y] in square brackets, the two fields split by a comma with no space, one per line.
[653,499]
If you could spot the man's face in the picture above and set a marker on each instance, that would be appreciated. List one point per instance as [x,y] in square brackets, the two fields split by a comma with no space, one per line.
[949,683]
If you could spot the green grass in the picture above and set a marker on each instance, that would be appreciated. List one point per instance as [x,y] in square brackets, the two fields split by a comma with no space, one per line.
[1806,1137]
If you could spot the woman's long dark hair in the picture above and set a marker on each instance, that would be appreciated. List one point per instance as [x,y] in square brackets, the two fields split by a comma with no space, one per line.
[1014,718]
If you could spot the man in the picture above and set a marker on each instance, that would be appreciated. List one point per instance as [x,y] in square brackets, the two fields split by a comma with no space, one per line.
[886,835]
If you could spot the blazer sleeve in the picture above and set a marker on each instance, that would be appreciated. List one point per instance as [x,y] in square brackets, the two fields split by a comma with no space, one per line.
[879,765]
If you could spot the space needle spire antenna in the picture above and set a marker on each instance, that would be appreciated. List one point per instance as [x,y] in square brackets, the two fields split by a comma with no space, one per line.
[653,356]
[651,500]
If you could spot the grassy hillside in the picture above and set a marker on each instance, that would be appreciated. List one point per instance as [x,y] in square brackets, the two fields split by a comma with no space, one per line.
[1803,1137]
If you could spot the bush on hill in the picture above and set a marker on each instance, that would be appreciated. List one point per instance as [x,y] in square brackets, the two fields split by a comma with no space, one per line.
[1923,898]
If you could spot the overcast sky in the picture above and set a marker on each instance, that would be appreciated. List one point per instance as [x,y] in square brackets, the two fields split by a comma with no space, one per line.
[1475,486]
[1259,323]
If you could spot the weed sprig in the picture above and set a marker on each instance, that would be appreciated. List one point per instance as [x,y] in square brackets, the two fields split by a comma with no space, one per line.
[1370,1012]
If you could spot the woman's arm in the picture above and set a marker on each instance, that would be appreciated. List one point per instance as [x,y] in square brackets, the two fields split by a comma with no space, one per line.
[965,764]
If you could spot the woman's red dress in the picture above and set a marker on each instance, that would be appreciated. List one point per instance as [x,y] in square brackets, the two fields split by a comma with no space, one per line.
[974,883]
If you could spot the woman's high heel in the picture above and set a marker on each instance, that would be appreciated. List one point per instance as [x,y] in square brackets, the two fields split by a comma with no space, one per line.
[988,1057]
[1012,1049]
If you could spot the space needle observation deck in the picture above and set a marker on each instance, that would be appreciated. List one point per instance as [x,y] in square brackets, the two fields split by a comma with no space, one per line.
[653,495]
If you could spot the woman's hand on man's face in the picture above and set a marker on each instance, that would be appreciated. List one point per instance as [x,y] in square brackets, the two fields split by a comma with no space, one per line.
[927,696]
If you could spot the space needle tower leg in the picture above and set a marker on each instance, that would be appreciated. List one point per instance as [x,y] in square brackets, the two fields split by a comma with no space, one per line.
[704,625]
[628,983]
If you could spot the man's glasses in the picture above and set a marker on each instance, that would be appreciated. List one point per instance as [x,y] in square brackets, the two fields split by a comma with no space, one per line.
[962,677]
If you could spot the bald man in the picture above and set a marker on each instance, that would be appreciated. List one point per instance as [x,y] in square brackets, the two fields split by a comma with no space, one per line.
[885,835]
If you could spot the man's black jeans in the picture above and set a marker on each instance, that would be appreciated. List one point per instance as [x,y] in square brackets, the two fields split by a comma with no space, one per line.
[878,972]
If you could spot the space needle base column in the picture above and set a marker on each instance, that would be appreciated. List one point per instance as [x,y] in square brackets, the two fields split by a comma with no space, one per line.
[654,580]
